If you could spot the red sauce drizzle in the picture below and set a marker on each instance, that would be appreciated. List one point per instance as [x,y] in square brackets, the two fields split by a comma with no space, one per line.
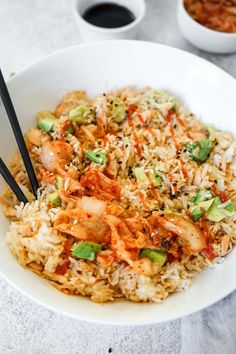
[140,117]
[223,196]
[209,252]
[62,269]
[150,130]
[169,115]
[172,132]
[180,121]
[131,109]
[137,144]
[185,172]
[153,190]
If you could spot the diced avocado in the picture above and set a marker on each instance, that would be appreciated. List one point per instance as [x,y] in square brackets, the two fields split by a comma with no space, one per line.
[59,182]
[155,256]
[175,108]
[217,201]
[196,213]
[140,175]
[230,207]
[81,115]
[145,178]
[191,146]
[54,199]
[96,156]
[86,250]
[200,150]
[206,204]
[46,123]
[118,111]
[157,180]
[215,213]
[161,97]
[202,196]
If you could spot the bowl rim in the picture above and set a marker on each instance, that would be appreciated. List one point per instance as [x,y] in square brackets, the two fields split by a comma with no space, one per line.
[125,322]
[199,26]
[122,29]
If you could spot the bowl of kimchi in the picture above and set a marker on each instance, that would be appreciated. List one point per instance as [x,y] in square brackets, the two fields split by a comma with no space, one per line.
[209,25]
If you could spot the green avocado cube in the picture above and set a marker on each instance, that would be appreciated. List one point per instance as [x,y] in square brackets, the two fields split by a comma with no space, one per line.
[86,250]
[156,256]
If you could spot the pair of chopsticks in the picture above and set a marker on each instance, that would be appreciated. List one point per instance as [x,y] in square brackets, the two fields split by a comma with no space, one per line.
[12,117]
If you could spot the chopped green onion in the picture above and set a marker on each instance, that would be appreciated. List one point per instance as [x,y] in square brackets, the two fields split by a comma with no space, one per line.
[96,156]
[86,250]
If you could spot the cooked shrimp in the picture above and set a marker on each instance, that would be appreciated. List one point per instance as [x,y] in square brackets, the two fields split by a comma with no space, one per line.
[55,153]
[187,231]
[92,205]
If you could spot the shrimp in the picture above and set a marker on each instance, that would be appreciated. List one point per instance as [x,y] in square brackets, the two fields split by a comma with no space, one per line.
[55,153]
[191,235]
[98,185]
[92,205]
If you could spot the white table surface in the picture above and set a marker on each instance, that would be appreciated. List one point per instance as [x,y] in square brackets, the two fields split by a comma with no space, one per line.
[30,29]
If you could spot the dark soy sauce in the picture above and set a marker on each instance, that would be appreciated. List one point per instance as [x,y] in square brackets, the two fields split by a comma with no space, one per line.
[108,15]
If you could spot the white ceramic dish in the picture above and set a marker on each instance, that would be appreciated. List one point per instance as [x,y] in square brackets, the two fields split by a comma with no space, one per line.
[206,89]
[89,32]
[203,37]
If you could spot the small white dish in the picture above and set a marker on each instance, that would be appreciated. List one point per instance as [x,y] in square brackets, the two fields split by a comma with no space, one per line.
[98,67]
[90,32]
[203,37]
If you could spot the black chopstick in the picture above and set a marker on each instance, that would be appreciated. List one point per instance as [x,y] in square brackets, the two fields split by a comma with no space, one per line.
[11,182]
[6,99]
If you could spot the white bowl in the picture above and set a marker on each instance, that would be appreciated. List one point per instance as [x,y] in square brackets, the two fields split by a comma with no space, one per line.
[205,89]
[89,32]
[203,37]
